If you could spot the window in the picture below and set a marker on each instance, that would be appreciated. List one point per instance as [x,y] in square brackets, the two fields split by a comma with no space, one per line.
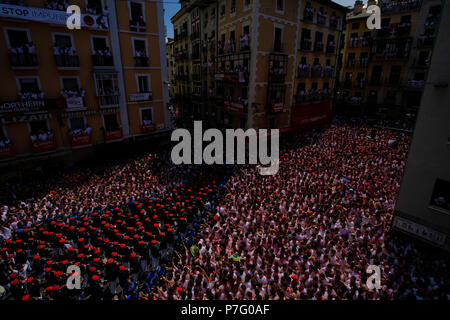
[277,46]
[222,11]
[76,124]
[247,3]
[147,116]
[376,74]
[280,5]
[394,77]
[94,6]
[99,44]
[440,197]
[355,25]
[62,41]
[233,6]
[106,84]
[39,130]
[17,38]
[111,123]
[29,85]
[140,48]
[136,11]
[143,83]
[70,84]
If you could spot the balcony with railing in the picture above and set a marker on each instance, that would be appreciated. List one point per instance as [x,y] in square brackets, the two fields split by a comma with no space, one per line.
[23,59]
[108,100]
[316,71]
[308,14]
[39,145]
[303,71]
[384,32]
[331,48]
[312,96]
[328,72]
[141,61]
[333,22]
[350,63]
[277,76]
[321,18]
[353,100]
[318,47]
[353,42]
[403,29]
[306,44]
[415,85]
[67,60]
[363,62]
[400,6]
[138,25]
[102,60]
[425,41]
[365,42]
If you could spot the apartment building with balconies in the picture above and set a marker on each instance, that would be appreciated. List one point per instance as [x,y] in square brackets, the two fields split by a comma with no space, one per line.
[257,54]
[391,77]
[65,91]
[317,59]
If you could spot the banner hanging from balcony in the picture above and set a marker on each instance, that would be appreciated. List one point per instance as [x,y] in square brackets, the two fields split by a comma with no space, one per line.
[51,16]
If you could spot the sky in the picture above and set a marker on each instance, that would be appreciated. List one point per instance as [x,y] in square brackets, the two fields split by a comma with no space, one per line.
[172,6]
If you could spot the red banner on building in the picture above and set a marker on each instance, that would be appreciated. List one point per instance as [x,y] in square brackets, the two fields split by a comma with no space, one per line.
[309,115]
[81,140]
[148,128]
[6,152]
[43,146]
[277,107]
[113,135]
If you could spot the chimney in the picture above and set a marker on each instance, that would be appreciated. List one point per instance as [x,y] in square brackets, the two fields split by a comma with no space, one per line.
[358,7]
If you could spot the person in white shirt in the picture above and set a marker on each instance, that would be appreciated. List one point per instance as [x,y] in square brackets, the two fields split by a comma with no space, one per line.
[43,136]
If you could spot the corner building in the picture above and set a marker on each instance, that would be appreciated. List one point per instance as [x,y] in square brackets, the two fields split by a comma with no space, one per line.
[64,92]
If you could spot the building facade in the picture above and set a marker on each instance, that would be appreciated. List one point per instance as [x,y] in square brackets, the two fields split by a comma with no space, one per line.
[384,70]
[250,52]
[423,207]
[65,91]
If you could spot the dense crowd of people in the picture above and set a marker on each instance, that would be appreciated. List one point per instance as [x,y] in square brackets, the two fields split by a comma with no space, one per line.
[142,228]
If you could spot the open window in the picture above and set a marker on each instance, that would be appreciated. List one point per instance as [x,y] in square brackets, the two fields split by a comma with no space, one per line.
[137,16]
[94,6]
[111,122]
[279,6]
[140,53]
[277,41]
[40,131]
[22,52]
[143,82]
[107,88]
[29,88]
[440,197]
